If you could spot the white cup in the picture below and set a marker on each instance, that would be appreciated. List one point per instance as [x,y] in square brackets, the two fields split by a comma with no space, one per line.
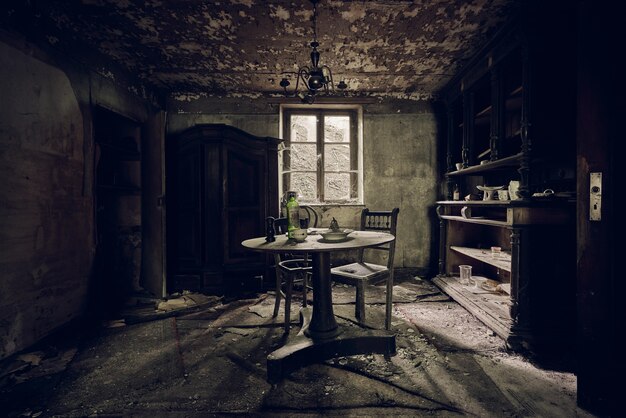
[459,166]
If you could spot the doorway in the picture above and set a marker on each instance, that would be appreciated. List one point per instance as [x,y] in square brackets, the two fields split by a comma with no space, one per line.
[118,211]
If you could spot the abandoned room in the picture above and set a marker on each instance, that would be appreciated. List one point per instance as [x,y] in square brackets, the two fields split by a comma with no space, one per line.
[309,207]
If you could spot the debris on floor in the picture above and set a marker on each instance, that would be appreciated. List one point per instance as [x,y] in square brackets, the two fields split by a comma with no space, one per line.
[177,304]
[114,323]
[185,301]
[210,360]
[36,364]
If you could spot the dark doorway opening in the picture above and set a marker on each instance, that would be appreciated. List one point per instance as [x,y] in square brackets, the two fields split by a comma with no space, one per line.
[117,266]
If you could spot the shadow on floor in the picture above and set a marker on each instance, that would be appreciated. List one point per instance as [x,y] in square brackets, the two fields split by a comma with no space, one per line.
[212,361]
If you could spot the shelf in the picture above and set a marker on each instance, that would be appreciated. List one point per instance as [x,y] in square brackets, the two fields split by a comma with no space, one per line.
[516,90]
[511,161]
[490,308]
[484,255]
[484,153]
[485,112]
[477,220]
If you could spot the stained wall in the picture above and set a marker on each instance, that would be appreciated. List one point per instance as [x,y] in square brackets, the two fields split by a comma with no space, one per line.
[47,239]
[399,161]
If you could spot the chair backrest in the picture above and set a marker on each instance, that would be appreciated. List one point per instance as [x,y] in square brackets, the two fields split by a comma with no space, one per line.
[280,228]
[310,214]
[280,225]
[381,221]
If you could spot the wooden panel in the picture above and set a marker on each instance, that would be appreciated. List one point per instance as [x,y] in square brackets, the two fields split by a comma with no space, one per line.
[600,293]
[245,202]
[528,216]
[187,209]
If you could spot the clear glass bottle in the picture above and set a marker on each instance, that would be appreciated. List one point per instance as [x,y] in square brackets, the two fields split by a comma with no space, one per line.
[293,214]
[455,193]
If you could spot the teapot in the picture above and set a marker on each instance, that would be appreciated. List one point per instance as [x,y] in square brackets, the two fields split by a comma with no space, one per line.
[334,225]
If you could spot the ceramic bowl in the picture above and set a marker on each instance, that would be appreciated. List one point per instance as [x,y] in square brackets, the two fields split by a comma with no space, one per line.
[335,235]
[299,235]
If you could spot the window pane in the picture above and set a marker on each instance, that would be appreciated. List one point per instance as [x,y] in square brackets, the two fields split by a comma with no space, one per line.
[306,186]
[337,128]
[337,157]
[303,128]
[303,157]
[337,186]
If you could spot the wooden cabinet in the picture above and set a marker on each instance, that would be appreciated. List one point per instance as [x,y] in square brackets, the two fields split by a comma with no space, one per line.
[511,117]
[526,294]
[222,184]
[511,112]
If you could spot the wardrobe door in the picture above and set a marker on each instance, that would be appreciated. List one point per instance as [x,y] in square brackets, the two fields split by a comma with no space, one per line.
[188,208]
[244,196]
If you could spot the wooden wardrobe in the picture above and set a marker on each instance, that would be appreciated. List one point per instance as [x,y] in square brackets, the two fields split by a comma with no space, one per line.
[222,184]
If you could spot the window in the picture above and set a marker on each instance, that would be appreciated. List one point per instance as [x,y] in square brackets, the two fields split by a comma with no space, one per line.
[320,159]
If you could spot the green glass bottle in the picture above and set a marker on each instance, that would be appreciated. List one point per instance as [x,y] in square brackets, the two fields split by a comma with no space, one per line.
[293,214]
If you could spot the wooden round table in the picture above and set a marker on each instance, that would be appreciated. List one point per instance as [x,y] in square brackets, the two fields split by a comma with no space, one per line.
[323,331]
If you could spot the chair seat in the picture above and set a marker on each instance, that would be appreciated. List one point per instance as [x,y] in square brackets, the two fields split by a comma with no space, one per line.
[360,271]
[295,265]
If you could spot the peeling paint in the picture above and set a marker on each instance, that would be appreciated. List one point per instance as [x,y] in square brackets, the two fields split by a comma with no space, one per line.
[248,3]
[280,13]
[393,48]
[186,97]
[354,13]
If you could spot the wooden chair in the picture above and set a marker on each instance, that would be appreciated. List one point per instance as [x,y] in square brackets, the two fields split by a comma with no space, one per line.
[360,273]
[307,212]
[290,270]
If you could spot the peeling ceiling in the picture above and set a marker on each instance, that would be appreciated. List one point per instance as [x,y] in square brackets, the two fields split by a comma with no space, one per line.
[400,48]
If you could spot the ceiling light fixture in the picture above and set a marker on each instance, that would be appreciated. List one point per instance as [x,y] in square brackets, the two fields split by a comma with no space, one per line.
[317,78]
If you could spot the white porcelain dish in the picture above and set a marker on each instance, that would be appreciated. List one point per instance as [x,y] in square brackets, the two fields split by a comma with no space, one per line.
[335,235]
[488,191]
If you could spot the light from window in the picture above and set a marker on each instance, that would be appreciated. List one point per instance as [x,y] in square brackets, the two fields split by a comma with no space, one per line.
[320,158]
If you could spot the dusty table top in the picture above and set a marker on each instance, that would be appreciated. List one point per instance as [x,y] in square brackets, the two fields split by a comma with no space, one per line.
[316,243]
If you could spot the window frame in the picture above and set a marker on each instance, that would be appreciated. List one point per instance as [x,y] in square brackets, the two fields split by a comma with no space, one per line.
[355,142]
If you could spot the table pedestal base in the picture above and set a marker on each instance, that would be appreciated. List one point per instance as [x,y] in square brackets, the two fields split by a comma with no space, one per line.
[302,350]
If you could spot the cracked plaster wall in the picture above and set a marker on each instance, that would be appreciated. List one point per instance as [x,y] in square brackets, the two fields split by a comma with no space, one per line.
[46,164]
[46,220]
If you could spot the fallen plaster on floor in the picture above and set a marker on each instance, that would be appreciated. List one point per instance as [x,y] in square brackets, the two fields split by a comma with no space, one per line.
[213,362]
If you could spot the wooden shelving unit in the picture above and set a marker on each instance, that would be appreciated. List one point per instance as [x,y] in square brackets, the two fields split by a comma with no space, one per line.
[504,125]
[535,240]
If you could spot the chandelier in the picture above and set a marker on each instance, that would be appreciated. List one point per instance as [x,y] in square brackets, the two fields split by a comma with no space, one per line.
[316,78]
